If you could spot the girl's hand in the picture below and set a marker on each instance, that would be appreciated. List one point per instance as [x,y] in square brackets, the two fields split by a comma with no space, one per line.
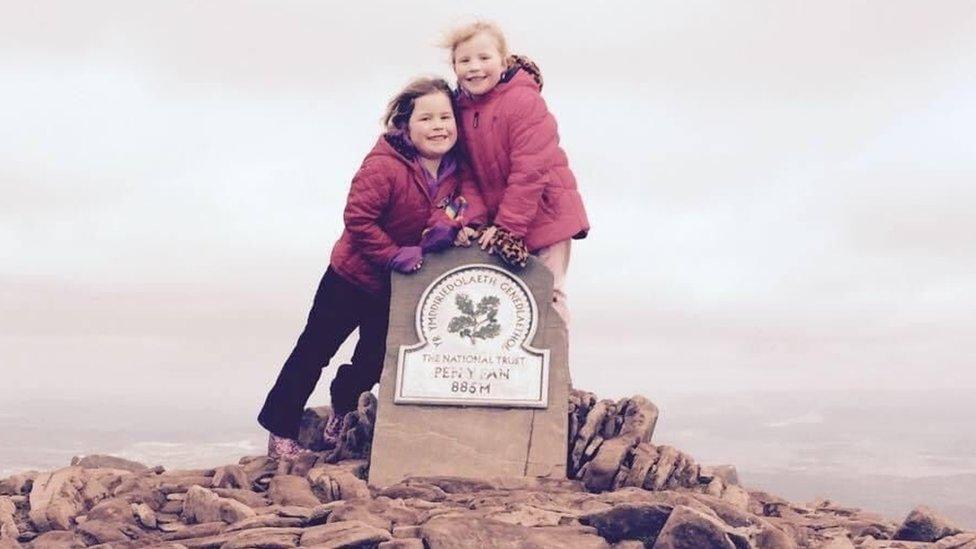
[487,236]
[439,237]
[408,260]
[463,237]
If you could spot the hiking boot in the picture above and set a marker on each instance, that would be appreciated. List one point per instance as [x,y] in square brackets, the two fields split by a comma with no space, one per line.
[333,430]
[281,447]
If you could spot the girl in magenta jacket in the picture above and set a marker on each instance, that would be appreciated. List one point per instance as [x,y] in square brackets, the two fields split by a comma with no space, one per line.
[511,138]
[404,202]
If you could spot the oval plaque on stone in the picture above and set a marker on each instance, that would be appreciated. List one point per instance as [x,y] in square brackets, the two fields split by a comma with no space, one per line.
[475,323]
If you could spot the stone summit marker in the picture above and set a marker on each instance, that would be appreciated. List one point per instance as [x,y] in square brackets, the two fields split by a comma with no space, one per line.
[476,379]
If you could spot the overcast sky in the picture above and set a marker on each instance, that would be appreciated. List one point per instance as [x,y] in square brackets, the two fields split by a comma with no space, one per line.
[781,193]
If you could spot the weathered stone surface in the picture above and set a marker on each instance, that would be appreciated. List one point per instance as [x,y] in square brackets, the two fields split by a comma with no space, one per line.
[265,538]
[102,531]
[422,491]
[55,499]
[113,510]
[406,532]
[464,532]
[657,479]
[265,521]
[202,505]
[837,542]
[230,476]
[58,539]
[145,514]
[454,484]
[528,515]
[208,542]
[247,497]
[321,513]
[403,543]
[475,441]
[687,528]
[366,512]
[343,534]
[630,521]
[8,525]
[332,483]
[924,524]
[173,485]
[959,541]
[196,531]
[603,467]
[175,507]
[291,490]
[18,484]
[764,533]
[97,461]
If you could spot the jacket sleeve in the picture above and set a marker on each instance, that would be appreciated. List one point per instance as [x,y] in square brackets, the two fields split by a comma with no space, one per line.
[476,213]
[460,185]
[534,141]
[369,198]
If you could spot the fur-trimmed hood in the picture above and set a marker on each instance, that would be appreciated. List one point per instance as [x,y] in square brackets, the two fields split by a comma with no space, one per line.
[523,63]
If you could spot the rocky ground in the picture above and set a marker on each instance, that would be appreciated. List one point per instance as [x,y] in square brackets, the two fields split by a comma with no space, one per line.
[624,492]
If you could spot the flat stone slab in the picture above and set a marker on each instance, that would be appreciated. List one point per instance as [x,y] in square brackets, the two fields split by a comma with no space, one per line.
[466,440]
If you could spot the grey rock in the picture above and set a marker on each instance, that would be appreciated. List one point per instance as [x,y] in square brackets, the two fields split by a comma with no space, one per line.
[103,531]
[18,484]
[197,531]
[97,461]
[332,483]
[58,539]
[265,521]
[291,490]
[402,543]
[230,476]
[145,514]
[959,541]
[113,510]
[604,466]
[343,534]
[55,499]
[201,505]
[371,513]
[464,532]
[924,524]
[418,490]
[264,538]
[406,532]
[630,521]
[687,528]
[658,477]
[247,497]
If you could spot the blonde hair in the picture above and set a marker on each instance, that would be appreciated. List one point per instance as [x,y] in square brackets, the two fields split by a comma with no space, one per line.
[399,109]
[459,35]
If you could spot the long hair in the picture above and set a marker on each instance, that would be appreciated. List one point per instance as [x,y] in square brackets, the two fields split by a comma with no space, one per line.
[400,108]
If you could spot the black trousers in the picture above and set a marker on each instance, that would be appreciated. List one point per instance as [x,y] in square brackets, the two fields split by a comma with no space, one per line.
[338,309]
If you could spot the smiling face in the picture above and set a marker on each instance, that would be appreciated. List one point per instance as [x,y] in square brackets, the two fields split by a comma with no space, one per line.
[432,127]
[478,64]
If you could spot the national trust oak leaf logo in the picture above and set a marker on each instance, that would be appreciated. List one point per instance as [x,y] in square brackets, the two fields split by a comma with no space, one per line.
[476,323]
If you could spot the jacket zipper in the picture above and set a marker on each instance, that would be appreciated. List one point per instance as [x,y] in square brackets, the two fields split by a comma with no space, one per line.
[476,119]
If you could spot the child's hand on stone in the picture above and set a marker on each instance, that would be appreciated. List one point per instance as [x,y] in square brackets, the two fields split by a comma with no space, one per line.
[408,260]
